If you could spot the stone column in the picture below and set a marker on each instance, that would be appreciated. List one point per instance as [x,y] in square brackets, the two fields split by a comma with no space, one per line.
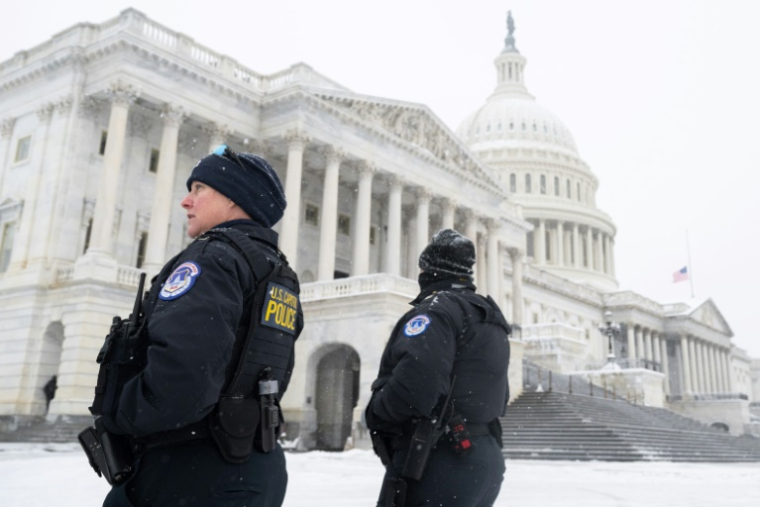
[686,365]
[396,188]
[449,208]
[291,219]
[423,219]
[6,134]
[664,363]
[655,343]
[612,257]
[516,256]
[694,366]
[648,344]
[640,353]
[724,384]
[560,243]
[577,261]
[155,253]
[105,205]
[360,242]
[607,267]
[729,373]
[540,244]
[590,248]
[713,370]
[471,232]
[631,332]
[599,257]
[493,259]
[481,254]
[328,220]
[702,372]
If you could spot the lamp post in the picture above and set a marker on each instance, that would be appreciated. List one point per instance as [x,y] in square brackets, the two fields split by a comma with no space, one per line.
[611,330]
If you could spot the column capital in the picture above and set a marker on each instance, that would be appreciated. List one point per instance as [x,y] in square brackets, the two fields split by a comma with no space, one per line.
[297,136]
[172,115]
[45,111]
[366,169]
[449,204]
[332,154]
[64,104]
[423,194]
[493,225]
[216,130]
[6,127]
[470,214]
[515,253]
[395,180]
[122,94]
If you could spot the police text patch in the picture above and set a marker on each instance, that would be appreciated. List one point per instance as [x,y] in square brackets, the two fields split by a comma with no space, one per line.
[180,281]
[280,308]
[416,325]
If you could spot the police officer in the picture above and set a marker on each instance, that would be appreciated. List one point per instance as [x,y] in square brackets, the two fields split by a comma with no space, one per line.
[188,450]
[451,335]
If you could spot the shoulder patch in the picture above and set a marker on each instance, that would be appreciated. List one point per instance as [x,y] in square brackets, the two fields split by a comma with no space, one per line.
[180,281]
[416,325]
[280,308]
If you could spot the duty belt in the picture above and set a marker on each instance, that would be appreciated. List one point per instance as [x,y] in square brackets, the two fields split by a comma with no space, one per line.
[475,430]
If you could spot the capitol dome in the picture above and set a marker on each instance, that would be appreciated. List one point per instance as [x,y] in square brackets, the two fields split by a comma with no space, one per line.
[534,155]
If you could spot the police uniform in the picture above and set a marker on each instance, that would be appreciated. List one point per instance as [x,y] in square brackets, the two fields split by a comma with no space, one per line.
[219,322]
[197,320]
[452,332]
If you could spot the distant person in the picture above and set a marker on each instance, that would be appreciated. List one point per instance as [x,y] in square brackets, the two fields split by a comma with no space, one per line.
[50,388]
[202,417]
[452,337]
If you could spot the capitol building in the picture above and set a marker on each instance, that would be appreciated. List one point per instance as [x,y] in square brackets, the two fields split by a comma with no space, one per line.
[101,125]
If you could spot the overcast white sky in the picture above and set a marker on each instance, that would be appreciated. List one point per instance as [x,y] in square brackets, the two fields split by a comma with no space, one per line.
[661,97]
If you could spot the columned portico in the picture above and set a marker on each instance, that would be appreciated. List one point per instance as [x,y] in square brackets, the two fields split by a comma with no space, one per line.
[329,220]
[297,142]
[162,196]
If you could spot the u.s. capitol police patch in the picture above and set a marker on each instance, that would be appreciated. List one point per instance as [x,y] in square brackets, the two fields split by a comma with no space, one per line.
[180,281]
[416,325]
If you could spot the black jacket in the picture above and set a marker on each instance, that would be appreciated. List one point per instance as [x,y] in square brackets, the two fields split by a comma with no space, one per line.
[451,331]
[195,332]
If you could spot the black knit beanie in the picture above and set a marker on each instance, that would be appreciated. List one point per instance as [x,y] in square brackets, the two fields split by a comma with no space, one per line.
[449,254]
[254,186]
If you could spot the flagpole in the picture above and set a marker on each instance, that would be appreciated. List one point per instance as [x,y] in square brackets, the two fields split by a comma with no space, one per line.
[690,270]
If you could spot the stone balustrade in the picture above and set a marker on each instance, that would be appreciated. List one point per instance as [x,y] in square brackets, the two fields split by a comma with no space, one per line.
[357,285]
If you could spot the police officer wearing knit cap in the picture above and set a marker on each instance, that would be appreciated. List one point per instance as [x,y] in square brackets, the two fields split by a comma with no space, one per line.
[199,312]
[451,333]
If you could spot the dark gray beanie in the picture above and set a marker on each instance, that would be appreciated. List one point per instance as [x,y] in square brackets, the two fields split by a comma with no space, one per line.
[254,186]
[448,254]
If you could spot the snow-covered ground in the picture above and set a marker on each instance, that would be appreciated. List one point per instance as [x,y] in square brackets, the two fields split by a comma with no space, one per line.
[58,475]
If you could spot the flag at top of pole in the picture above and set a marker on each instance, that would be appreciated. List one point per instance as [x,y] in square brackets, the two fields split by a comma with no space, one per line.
[681,275]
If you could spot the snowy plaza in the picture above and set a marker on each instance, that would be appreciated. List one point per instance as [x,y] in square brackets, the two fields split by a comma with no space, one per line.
[58,474]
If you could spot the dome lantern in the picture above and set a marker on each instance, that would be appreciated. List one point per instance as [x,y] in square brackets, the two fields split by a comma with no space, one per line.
[510,65]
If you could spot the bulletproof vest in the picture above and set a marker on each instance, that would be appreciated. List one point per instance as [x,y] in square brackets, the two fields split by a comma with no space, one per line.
[274,316]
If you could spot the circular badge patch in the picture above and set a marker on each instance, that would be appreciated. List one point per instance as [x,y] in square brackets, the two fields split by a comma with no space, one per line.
[180,281]
[416,325]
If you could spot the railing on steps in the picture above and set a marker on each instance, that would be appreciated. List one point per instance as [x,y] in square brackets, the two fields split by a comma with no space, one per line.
[538,379]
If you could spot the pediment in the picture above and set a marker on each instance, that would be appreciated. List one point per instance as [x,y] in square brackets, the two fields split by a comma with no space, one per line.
[414,124]
[707,313]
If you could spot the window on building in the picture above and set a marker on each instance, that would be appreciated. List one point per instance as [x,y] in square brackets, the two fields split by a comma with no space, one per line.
[513,183]
[141,247]
[372,234]
[529,246]
[87,236]
[523,127]
[22,148]
[543,184]
[344,224]
[579,191]
[569,190]
[556,186]
[527,184]
[153,163]
[511,125]
[339,274]
[103,140]
[311,214]
[548,245]
[6,245]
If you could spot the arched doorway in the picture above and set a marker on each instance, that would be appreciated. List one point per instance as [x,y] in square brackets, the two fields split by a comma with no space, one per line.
[337,392]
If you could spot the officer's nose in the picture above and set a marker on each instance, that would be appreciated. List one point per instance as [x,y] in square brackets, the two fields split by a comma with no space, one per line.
[187,202]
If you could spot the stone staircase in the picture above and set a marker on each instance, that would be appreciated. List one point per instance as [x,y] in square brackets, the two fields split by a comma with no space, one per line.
[40,429]
[562,426]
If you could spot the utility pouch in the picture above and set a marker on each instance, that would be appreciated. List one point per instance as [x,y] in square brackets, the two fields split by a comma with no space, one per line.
[424,439]
[270,413]
[109,455]
[395,492]
[380,446]
[233,427]
[459,436]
